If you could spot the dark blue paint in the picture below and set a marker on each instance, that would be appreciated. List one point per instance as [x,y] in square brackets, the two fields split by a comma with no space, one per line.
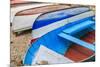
[56,16]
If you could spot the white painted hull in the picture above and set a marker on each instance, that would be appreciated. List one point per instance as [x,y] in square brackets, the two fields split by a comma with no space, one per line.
[17,9]
[23,22]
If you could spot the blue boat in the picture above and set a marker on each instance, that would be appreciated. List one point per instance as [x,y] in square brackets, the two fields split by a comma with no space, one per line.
[64,32]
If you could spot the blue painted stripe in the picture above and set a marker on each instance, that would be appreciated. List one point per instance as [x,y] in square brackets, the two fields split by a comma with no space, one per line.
[28,58]
[52,17]
[45,22]
[30,55]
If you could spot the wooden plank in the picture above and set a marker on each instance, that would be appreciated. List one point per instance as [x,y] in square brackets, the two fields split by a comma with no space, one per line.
[82,53]
[77,41]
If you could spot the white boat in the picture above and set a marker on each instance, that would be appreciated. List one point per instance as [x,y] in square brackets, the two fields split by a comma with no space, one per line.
[25,6]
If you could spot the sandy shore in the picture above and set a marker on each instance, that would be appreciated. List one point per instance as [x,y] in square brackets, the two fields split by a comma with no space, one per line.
[18,47]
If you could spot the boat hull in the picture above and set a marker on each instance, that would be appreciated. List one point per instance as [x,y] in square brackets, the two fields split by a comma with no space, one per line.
[63,47]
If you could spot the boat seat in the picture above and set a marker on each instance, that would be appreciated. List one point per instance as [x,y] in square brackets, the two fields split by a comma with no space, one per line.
[79,53]
[67,34]
[77,41]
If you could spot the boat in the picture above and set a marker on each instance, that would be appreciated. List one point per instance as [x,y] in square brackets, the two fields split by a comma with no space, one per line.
[29,15]
[70,35]
[15,8]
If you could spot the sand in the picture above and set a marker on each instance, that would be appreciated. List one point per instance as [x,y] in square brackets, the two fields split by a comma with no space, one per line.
[18,47]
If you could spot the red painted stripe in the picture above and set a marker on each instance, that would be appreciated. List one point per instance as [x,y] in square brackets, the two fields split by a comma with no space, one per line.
[33,40]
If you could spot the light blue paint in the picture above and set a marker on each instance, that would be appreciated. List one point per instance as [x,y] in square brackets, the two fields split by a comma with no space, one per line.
[77,41]
[28,58]
[78,27]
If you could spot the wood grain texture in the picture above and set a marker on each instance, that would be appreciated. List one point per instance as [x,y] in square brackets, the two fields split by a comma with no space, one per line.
[78,53]
[42,9]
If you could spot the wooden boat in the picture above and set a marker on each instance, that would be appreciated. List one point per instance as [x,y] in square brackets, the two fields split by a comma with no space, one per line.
[72,37]
[30,15]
